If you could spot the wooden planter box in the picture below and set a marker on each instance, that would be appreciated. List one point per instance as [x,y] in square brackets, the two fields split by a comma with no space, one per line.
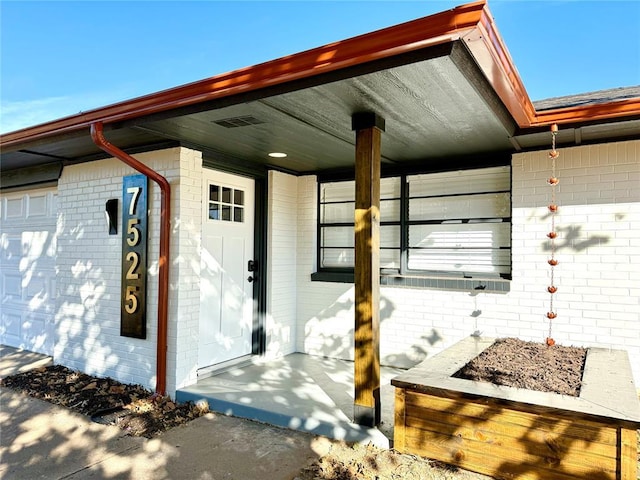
[511,433]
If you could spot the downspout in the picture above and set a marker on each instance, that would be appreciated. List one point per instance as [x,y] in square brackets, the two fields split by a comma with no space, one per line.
[163,261]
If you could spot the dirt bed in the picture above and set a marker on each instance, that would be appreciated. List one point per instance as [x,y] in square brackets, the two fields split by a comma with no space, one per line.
[134,409]
[534,366]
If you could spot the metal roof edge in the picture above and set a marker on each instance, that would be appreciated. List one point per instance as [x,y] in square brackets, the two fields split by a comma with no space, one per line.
[493,58]
[588,113]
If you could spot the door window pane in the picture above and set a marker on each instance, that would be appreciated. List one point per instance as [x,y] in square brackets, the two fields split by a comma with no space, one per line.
[214,211]
[238,214]
[226,213]
[226,194]
[226,204]
[214,193]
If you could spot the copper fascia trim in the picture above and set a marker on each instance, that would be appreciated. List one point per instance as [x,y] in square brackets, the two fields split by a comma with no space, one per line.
[163,261]
[494,60]
[489,50]
[428,31]
[585,113]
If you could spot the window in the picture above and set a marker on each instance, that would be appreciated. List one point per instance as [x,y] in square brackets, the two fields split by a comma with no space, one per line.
[455,223]
[226,204]
[337,204]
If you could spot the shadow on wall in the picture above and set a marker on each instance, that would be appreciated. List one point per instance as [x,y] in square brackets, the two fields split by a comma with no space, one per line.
[415,354]
[333,327]
[87,320]
[78,330]
[329,329]
[572,238]
[332,333]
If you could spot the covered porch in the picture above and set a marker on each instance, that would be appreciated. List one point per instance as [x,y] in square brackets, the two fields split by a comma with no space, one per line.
[298,391]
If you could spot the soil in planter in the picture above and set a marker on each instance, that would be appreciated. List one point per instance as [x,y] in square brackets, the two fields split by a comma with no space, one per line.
[530,365]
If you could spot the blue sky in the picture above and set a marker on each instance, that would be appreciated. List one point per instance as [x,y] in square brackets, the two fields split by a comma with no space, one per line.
[59,58]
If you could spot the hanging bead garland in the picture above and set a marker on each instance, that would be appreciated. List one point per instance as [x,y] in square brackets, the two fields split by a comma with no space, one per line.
[552,235]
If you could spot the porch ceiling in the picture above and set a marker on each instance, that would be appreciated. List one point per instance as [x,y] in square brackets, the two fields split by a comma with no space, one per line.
[436,104]
[432,109]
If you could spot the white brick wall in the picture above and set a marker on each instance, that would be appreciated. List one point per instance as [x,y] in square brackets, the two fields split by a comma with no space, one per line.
[282,224]
[89,263]
[598,301]
[184,297]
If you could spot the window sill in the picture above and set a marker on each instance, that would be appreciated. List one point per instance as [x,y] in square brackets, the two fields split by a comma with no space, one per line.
[333,277]
[493,285]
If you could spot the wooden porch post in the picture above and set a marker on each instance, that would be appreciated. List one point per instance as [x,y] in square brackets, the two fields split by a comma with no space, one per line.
[368,127]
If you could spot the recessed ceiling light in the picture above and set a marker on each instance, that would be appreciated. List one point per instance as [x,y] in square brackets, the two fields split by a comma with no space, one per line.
[277,154]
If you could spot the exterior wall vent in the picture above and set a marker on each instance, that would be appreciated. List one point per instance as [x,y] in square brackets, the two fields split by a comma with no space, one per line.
[238,121]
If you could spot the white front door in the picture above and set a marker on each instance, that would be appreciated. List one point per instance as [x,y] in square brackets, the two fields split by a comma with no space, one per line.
[226,290]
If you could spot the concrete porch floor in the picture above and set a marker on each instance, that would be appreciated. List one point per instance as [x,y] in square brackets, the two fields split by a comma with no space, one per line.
[298,391]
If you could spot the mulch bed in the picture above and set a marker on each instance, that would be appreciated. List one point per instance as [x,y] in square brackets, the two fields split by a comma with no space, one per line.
[530,365]
[136,410]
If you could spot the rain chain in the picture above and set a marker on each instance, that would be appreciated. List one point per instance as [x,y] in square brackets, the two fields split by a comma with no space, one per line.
[552,235]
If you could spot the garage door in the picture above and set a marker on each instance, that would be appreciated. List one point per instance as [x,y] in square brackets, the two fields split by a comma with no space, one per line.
[27,269]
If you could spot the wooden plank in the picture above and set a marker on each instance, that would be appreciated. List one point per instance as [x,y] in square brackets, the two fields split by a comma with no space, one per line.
[628,454]
[456,431]
[367,277]
[496,461]
[548,449]
[598,432]
[399,421]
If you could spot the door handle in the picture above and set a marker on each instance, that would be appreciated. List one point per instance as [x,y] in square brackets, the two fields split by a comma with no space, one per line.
[250,279]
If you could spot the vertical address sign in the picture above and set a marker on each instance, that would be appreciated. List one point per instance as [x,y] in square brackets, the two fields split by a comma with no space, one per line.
[133,322]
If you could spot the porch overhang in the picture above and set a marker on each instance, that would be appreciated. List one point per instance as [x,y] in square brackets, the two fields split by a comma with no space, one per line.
[445,84]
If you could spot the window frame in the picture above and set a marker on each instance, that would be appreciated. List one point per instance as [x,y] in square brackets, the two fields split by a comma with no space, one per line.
[396,276]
